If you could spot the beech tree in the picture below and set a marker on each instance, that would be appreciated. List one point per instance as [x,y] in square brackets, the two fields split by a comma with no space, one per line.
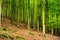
[40,15]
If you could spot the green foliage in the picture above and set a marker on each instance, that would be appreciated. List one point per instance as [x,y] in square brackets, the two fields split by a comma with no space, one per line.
[4,29]
[31,33]
[11,37]
[4,35]
[51,16]
[19,38]
[31,12]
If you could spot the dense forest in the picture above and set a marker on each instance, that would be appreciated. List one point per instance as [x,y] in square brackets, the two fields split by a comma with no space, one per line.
[39,15]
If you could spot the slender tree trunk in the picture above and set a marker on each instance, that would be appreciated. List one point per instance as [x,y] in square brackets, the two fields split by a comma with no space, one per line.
[0,10]
[28,17]
[31,12]
[37,24]
[43,16]
[28,21]
[52,31]
[35,13]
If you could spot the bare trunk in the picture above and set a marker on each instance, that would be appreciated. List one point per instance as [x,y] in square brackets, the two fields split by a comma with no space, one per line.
[0,10]
[37,25]
[52,31]
[43,16]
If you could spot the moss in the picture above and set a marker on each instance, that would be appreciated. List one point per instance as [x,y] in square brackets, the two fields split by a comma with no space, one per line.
[5,35]
[19,38]
[0,29]
[31,33]
[3,28]
[11,38]
[14,31]
[36,39]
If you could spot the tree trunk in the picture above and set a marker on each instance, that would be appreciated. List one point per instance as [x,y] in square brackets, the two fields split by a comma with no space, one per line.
[52,31]
[0,10]
[28,17]
[35,13]
[43,16]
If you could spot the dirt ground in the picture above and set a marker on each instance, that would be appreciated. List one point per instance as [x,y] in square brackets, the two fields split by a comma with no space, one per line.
[25,33]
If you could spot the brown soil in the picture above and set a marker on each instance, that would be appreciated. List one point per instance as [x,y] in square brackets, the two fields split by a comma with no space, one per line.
[25,32]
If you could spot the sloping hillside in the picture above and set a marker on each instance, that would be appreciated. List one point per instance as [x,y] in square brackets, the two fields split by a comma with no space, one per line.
[11,32]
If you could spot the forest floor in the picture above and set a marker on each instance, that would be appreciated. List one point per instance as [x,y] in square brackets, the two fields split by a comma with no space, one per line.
[22,33]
